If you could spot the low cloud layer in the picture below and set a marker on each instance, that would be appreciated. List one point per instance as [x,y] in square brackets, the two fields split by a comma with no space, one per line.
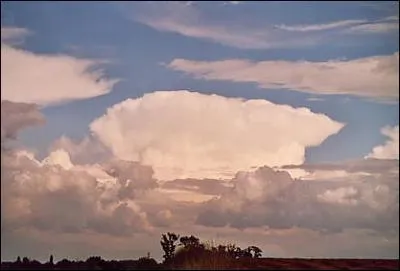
[272,199]
[373,77]
[185,134]
[60,78]
[54,195]
[389,150]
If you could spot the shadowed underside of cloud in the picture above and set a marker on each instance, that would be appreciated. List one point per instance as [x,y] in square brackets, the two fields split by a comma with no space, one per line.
[185,134]
[268,198]
[54,195]
[60,78]
[373,77]
[16,116]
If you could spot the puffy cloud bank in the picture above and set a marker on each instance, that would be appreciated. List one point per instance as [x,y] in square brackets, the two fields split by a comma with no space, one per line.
[272,199]
[185,134]
[389,150]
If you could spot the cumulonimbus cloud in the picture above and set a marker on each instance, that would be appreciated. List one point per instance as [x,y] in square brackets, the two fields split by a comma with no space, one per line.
[61,78]
[373,77]
[184,134]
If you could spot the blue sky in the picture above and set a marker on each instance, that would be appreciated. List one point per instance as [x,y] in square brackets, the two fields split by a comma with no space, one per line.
[324,76]
[109,31]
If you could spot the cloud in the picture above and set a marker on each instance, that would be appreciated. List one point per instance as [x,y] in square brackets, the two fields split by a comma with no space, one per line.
[370,166]
[373,77]
[385,25]
[185,134]
[320,27]
[389,150]
[86,151]
[61,78]
[14,35]
[16,116]
[55,195]
[271,198]
[189,21]
[315,99]
[244,32]
[203,186]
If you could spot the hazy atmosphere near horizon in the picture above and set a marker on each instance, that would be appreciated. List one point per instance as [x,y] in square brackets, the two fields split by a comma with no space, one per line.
[272,124]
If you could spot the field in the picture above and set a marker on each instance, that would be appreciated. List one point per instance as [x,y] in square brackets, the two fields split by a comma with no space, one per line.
[325,264]
[259,264]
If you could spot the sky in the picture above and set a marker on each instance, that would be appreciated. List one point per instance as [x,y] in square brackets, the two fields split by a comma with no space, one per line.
[261,123]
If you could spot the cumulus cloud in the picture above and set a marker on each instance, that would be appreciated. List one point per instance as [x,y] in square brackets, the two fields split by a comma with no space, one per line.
[85,151]
[389,150]
[271,198]
[191,21]
[373,77]
[16,116]
[55,195]
[185,134]
[61,78]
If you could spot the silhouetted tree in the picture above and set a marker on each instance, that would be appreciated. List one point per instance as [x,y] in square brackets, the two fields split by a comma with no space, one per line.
[257,251]
[51,260]
[18,260]
[168,245]
[25,261]
[190,242]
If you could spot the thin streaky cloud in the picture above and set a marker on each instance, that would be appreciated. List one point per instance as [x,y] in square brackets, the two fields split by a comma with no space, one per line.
[320,27]
[191,21]
[370,77]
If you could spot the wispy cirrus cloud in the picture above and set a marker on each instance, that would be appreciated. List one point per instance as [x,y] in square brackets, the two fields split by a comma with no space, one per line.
[191,21]
[320,27]
[383,25]
[372,77]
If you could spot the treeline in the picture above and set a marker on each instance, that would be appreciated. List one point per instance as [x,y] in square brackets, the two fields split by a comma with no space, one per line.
[186,252]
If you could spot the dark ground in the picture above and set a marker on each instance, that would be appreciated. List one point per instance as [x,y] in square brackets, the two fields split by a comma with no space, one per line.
[259,264]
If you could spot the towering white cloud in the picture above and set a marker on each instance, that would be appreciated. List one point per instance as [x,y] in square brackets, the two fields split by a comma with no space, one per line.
[375,77]
[185,134]
[60,78]
[389,150]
